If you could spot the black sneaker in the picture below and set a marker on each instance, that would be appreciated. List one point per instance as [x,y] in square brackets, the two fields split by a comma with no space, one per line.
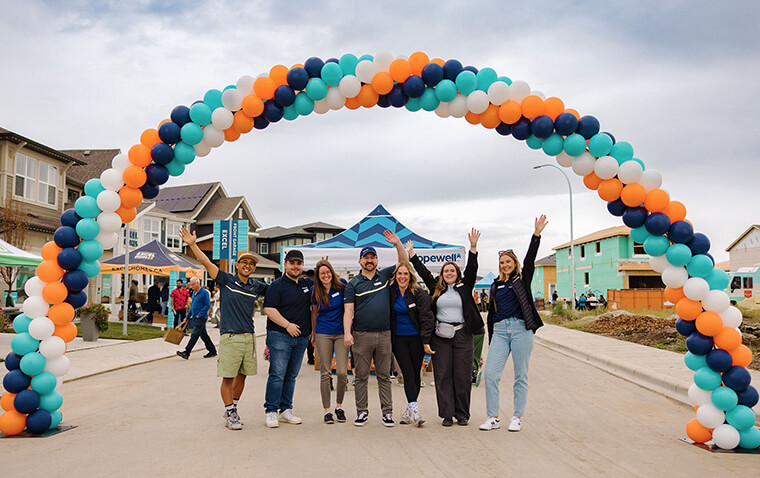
[183,354]
[361,420]
[388,420]
[329,418]
[340,415]
[447,422]
[210,354]
[463,423]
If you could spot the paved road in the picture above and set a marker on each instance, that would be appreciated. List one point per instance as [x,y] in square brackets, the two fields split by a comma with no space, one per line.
[165,419]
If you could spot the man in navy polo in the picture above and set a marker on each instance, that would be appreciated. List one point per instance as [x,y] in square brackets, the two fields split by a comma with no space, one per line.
[287,307]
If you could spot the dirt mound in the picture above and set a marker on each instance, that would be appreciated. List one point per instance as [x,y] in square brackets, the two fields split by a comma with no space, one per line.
[625,324]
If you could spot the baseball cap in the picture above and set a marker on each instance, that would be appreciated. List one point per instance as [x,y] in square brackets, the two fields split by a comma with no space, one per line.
[367,250]
[294,255]
[248,255]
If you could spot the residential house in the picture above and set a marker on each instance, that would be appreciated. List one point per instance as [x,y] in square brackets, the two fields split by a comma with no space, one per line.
[745,250]
[545,277]
[271,240]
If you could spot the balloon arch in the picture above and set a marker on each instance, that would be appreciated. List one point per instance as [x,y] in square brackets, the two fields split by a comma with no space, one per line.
[721,389]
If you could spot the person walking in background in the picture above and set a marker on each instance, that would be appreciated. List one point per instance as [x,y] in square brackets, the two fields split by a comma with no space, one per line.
[165,298]
[154,300]
[512,322]
[457,320]
[197,316]
[132,305]
[179,298]
[215,307]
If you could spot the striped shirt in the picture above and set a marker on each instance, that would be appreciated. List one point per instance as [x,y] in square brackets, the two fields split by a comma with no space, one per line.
[237,302]
[372,301]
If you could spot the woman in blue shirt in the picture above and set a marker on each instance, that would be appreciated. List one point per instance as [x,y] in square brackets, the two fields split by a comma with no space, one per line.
[327,324]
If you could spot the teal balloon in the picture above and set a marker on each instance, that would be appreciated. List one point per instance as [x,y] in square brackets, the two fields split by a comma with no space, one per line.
[366,57]
[749,439]
[678,255]
[200,113]
[332,73]
[428,100]
[348,63]
[486,77]
[90,250]
[656,245]
[87,207]
[707,378]
[21,324]
[700,266]
[575,145]
[695,362]
[290,113]
[534,142]
[554,144]
[23,344]
[643,168]
[740,417]
[413,104]
[184,153]
[600,145]
[446,90]
[717,279]
[213,99]
[640,234]
[87,229]
[622,151]
[55,419]
[93,187]
[51,401]
[230,87]
[91,268]
[32,363]
[175,168]
[466,82]
[303,104]
[505,79]
[724,398]
[316,89]
[44,382]
[191,133]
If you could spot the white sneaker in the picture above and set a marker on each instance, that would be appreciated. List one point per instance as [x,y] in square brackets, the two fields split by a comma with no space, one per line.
[232,421]
[272,421]
[417,419]
[406,417]
[514,424]
[288,417]
[235,413]
[491,423]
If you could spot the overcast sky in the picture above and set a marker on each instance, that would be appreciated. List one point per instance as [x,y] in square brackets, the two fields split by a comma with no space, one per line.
[677,79]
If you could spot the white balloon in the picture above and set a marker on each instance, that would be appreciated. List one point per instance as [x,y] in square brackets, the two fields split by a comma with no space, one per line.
[583,165]
[213,136]
[108,201]
[477,101]
[383,61]
[699,397]
[222,118]
[696,288]
[58,366]
[716,301]
[33,286]
[709,416]
[539,94]
[564,159]
[58,383]
[120,162]
[202,149]
[443,110]
[109,222]
[335,100]
[232,99]
[650,179]
[349,86]
[245,85]
[659,263]
[52,347]
[674,277]
[630,172]
[41,328]
[365,71]
[35,306]
[518,90]
[321,107]
[498,92]
[732,317]
[111,179]
[107,239]
[606,167]
[726,437]
[458,106]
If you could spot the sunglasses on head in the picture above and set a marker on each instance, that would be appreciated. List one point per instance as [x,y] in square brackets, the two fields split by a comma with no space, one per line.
[506,251]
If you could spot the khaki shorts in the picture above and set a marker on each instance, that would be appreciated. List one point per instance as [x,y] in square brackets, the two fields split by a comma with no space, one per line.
[237,355]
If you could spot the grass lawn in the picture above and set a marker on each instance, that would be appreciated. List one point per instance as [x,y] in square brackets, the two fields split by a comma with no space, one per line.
[134,332]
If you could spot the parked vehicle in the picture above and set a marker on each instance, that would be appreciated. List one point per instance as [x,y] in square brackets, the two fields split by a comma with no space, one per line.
[744,283]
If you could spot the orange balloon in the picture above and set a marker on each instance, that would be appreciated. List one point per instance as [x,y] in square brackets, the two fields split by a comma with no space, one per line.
[130,197]
[697,432]
[242,122]
[150,137]
[573,112]
[610,189]
[688,309]
[6,401]
[472,118]
[139,155]
[12,422]
[264,88]
[742,356]
[438,61]
[592,181]
[134,176]
[297,65]
[367,96]
[728,339]
[252,106]
[49,271]
[54,292]
[674,295]
[656,200]
[417,61]
[279,74]
[709,323]
[67,332]
[401,69]
[633,195]
[532,106]
[61,314]
[676,211]
[510,112]
[126,214]
[553,107]
[382,83]
[167,120]
[231,134]
[353,103]
[50,251]
[490,117]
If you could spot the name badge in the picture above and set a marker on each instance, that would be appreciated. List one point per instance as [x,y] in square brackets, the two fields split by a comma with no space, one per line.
[335,294]
[378,283]
[411,305]
[500,287]
[458,285]
[305,289]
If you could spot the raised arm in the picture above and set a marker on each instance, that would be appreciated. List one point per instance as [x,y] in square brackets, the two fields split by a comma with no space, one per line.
[471,270]
[190,239]
[535,240]
[421,269]
[391,237]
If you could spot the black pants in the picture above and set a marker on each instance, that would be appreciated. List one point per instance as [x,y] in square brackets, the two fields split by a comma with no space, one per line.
[309,353]
[179,316]
[199,331]
[452,369]
[409,354]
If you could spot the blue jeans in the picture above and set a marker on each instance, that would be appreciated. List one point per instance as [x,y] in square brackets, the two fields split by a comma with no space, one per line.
[285,358]
[509,335]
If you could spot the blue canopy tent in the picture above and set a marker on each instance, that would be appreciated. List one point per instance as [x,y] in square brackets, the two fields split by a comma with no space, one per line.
[485,282]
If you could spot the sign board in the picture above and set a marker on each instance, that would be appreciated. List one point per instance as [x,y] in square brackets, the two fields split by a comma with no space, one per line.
[748,294]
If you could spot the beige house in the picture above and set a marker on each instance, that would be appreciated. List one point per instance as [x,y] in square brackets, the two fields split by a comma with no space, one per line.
[745,250]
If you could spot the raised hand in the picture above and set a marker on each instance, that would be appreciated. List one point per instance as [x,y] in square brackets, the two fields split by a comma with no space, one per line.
[188,238]
[473,236]
[391,237]
[541,223]
[409,246]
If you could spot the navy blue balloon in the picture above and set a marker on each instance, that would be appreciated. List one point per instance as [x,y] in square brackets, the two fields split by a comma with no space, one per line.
[611,137]
[70,218]
[26,401]
[719,360]
[284,95]
[16,381]
[504,129]
[298,78]
[260,122]
[588,126]
[272,111]
[566,124]
[332,60]
[66,236]
[711,258]
[75,280]
[470,68]
[685,327]
[748,397]
[521,129]
[397,97]
[169,132]
[383,101]
[157,174]
[737,378]
[680,232]
[432,73]
[699,244]
[542,127]
[617,207]
[149,191]
[313,67]
[635,217]
[451,69]
[180,115]
[39,422]
[162,154]
[657,224]
[414,86]
[77,299]
[699,344]
[69,258]
[12,361]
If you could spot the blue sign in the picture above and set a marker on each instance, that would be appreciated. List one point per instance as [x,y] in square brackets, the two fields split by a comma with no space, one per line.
[233,240]
[221,240]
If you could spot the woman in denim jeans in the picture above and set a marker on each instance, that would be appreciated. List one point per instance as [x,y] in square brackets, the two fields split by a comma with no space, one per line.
[512,321]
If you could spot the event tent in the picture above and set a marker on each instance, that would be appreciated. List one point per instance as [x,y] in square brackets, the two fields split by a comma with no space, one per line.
[11,256]
[153,258]
[343,250]
[485,282]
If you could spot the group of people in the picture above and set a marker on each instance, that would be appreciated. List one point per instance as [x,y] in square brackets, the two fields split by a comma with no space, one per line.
[378,315]
[591,301]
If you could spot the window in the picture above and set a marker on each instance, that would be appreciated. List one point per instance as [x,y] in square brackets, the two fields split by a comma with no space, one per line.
[36,180]
[151,230]
[598,247]
[71,197]
[320,236]
[263,248]
[586,278]
[173,240]
[736,283]
[748,282]
[240,214]
[306,241]
[638,250]
[583,252]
